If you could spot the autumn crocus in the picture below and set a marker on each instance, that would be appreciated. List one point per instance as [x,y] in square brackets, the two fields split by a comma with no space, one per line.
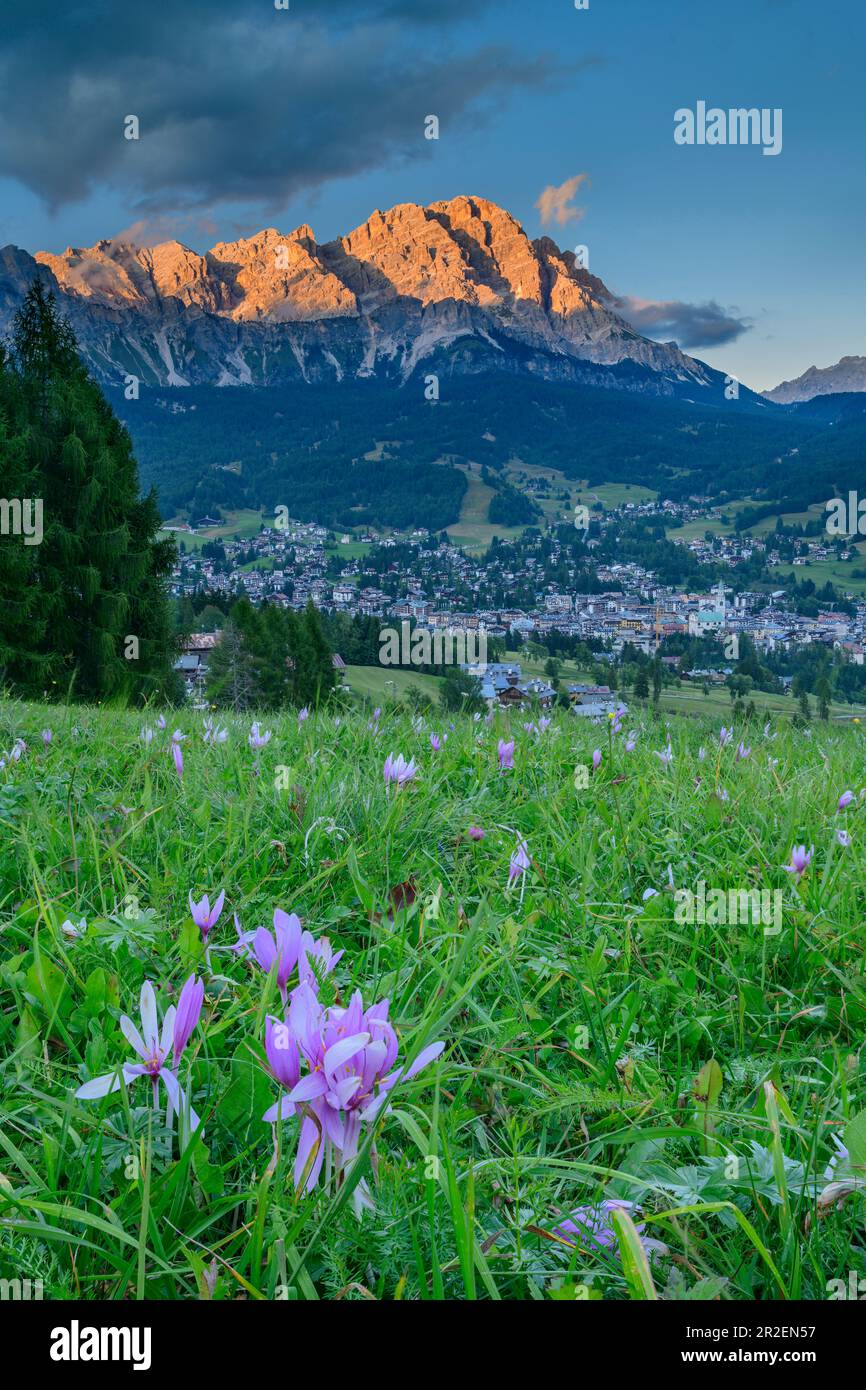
[666,756]
[317,959]
[435,742]
[596,759]
[258,738]
[845,800]
[280,950]
[725,736]
[205,916]
[153,1045]
[800,861]
[347,1056]
[743,752]
[843,838]
[520,862]
[505,751]
[47,735]
[303,715]
[591,1228]
[177,755]
[398,771]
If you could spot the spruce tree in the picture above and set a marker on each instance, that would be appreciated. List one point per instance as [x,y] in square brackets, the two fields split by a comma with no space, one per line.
[101,569]
[21,622]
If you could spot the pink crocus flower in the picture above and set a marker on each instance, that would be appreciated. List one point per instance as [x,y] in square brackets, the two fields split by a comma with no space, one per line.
[476,833]
[596,759]
[303,715]
[435,742]
[47,735]
[800,861]
[282,949]
[205,916]
[666,756]
[257,738]
[743,752]
[348,1055]
[505,751]
[845,800]
[398,771]
[520,862]
[843,838]
[177,755]
[317,959]
[153,1045]
[725,736]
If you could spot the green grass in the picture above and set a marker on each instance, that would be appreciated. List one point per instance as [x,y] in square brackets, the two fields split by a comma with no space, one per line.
[473,532]
[596,1046]
[383,682]
[243,523]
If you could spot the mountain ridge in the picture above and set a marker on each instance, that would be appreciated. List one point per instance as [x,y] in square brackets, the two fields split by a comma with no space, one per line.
[843,377]
[458,277]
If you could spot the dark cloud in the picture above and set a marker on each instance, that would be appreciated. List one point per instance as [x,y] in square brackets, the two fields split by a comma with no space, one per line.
[236,100]
[689,325]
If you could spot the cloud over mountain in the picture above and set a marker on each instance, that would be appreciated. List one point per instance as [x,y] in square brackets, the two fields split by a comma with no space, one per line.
[689,325]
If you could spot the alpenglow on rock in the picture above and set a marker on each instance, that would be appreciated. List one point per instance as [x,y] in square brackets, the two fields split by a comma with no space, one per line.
[453,287]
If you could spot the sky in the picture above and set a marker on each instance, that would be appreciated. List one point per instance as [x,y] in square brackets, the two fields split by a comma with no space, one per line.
[252,116]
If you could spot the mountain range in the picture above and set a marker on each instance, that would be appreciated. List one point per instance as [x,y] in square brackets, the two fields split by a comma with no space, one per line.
[337,346]
[847,375]
[459,280]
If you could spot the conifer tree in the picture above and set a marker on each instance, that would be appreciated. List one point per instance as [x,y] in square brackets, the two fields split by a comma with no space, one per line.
[100,568]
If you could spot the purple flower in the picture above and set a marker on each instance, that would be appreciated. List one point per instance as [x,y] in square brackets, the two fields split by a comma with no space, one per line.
[725,737]
[800,861]
[205,916]
[435,742]
[160,723]
[177,754]
[666,756]
[284,1064]
[46,736]
[596,759]
[397,770]
[257,739]
[347,1055]
[592,1227]
[476,833]
[520,862]
[317,959]
[187,1015]
[845,800]
[303,715]
[742,752]
[243,947]
[146,736]
[282,949]
[630,743]
[153,1046]
[843,838]
[506,755]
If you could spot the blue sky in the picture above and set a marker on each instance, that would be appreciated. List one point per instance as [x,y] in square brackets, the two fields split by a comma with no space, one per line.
[252,117]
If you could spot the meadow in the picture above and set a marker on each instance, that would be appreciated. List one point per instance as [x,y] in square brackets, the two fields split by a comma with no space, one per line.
[574,1093]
